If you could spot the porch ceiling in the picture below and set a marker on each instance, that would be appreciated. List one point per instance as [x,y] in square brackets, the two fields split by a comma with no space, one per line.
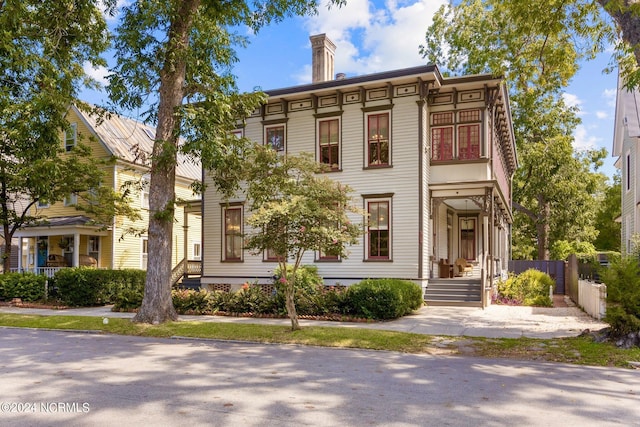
[63,225]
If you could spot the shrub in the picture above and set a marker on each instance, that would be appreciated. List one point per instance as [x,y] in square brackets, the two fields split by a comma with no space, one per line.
[190,301]
[529,288]
[89,286]
[249,299]
[26,286]
[383,298]
[623,296]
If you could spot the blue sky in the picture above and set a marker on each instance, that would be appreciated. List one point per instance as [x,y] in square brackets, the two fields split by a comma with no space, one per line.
[373,36]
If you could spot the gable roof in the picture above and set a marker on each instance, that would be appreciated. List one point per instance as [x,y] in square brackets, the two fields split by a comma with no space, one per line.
[132,141]
[627,116]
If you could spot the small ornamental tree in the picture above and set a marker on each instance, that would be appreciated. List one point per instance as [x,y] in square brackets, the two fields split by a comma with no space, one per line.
[294,209]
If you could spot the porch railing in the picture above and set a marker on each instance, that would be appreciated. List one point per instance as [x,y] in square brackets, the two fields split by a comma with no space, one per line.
[185,268]
[47,271]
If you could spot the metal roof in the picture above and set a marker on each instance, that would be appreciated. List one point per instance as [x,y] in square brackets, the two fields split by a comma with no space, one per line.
[132,141]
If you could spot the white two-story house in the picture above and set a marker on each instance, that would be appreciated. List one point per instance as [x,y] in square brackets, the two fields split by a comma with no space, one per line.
[429,158]
[626,147]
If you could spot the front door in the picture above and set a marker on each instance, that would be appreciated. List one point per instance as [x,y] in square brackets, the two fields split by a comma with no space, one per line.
[468,238]
[42,245]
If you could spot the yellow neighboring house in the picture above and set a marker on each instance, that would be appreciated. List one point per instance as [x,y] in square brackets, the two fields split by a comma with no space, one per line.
[69,237]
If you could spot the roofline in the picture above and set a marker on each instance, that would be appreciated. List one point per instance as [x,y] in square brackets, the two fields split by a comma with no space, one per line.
[386,75]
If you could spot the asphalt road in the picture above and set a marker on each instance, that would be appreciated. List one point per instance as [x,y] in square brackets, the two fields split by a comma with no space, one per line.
[52,378]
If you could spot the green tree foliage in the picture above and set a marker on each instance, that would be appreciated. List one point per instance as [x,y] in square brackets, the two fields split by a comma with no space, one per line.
[43,46]
[174,58]
[623,295]
[295,210]
[536,46]
[609,210]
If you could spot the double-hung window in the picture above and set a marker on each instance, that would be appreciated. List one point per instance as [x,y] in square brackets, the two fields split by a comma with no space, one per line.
[378,236]
[70,137]
[329,142]
[275,138]
[232,233]
[378,143]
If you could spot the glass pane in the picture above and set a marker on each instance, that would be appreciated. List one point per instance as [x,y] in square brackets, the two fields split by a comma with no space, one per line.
[383,215]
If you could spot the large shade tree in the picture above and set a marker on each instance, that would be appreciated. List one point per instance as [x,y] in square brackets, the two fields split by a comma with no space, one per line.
[537,47]
[43,47]
[174,59]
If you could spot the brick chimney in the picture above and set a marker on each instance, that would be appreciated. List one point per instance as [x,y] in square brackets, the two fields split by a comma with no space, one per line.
[323,51]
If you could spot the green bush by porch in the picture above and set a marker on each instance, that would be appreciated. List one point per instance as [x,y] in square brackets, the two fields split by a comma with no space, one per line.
[528,288]
[84,287]
[26,286]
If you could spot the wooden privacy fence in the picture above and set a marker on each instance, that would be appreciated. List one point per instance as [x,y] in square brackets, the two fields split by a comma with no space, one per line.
[555,269]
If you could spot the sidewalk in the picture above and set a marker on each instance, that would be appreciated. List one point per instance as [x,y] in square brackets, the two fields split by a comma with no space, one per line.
[495,321]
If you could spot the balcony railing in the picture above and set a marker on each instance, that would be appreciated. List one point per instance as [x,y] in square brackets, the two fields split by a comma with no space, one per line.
[47,271]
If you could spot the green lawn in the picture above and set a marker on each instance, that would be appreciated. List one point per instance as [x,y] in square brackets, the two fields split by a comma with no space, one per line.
[579,350]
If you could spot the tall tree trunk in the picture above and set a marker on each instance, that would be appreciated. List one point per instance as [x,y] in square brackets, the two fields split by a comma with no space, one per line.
[542,226]
[157,305]
[290,303]
[627,21]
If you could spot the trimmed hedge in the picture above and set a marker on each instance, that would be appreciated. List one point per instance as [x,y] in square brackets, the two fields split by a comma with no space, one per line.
[89,287]
[26,286]
[383,298]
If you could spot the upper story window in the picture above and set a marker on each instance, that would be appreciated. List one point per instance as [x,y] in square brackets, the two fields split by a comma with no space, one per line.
[71,200]
[70,137]
[329,142]
[378,143]
[275,138]
[232,233]
[456,135]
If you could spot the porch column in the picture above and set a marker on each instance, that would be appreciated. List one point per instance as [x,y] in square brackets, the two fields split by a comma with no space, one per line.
[20,254]
[76,250]
[186,234]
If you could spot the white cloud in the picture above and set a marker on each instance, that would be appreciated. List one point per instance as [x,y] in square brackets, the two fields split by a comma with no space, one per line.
[610,97]
[389,35]
[602,115]
[571,100]
[584,140]
[99,74]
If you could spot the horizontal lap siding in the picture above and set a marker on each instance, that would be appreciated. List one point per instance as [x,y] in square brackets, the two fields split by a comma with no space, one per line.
[401,180]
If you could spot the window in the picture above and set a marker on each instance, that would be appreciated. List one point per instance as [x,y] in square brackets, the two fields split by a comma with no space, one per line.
[196,252]
[232,233]
[378,139]
[329,141]
[70,136]
[469,142]
[145,253]
[456,140]
[271,254]
[93,247]
[442,143]
[628,167]
[42,204]
[378,230]
[71,200]
[274,137]
[144,192]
